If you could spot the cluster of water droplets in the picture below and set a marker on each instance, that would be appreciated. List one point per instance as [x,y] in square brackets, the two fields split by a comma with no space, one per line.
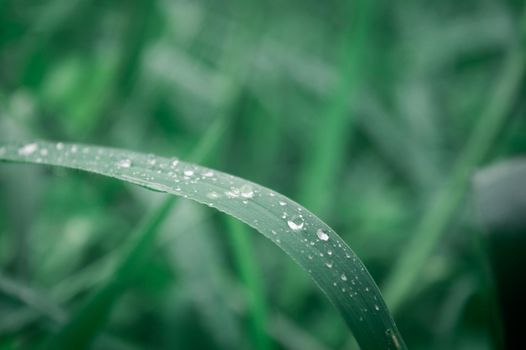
[222,191]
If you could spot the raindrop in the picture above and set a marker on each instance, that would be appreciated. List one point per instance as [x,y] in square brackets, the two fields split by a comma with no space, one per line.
[213,195]
[151,161]
[28,149]
[322,234]
[296,223]
[247,191]
[343,277]
[124,163]
[233,193]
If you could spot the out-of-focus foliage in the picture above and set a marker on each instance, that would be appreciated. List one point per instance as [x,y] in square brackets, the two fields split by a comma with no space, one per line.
[357,109]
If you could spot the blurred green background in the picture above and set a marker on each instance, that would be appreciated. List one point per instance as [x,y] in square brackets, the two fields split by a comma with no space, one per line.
[360,110]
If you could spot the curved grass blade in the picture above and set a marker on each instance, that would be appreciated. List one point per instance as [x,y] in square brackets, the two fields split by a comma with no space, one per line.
[308,240]
[82,327]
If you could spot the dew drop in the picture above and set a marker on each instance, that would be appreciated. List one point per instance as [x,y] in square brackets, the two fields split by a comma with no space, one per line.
[208,173]
[329,264]
[43,152]
[343,277]
[247,191]
[296,223]
[188,172]
[174,162]
[213,195]
[322,234]
[376,307]
[60,146]
[124,163]
[282,203]
[28,149]
[233,193]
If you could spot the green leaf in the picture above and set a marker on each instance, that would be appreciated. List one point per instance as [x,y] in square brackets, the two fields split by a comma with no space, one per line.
[308,240]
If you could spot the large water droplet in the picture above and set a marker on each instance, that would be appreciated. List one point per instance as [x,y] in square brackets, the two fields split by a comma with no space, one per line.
[124,163]
[322,234]
[28,149]
[296,223]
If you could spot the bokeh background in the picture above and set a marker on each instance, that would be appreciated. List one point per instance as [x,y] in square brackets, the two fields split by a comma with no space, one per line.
[360,110]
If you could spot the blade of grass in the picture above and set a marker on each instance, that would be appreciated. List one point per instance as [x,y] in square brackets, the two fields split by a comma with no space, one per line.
[332,133]
[334,129]
[308,240]
[248,271]
[81,329]
[446,201]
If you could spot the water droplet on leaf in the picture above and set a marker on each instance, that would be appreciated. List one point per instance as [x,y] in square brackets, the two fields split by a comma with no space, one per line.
[296,223]
[124,163]
[247,191]
[322,234]
[28,149]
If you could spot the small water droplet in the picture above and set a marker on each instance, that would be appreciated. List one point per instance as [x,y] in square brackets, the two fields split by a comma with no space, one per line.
[208,173]
[188,172]
[296,223]
[28,149]
[213,195]
[343,277]
[376,307]
[322,234]
[282,203]
[124,163]
[60,146]
[43,152]
[174,162]
[151,161]
[329,264]
[247,191]
[233,193]
[329,252]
